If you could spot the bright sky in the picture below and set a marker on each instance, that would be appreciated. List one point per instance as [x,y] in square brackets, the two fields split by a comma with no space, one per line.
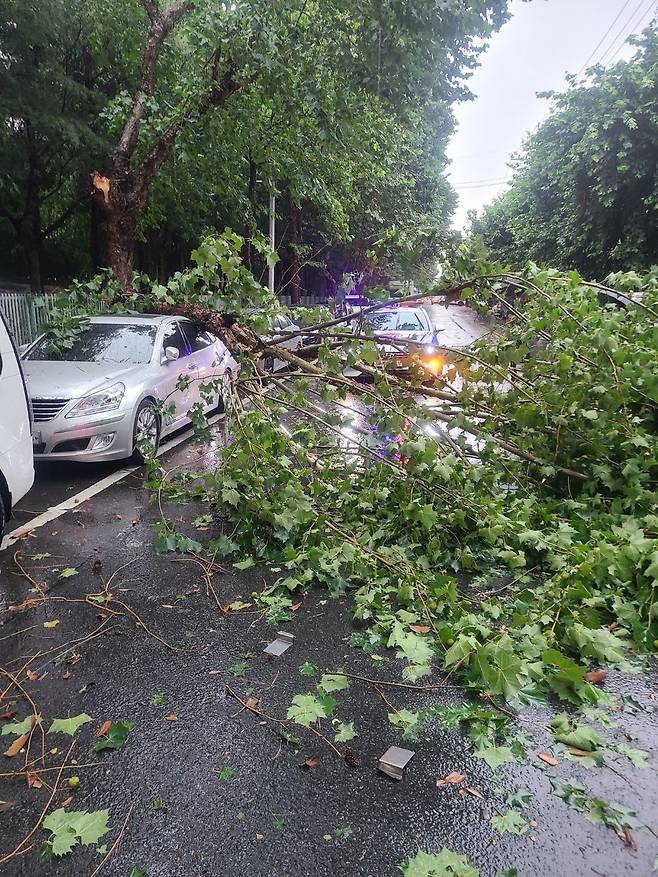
[542,41]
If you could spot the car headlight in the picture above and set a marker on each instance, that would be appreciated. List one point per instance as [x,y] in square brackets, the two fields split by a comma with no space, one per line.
[103,400]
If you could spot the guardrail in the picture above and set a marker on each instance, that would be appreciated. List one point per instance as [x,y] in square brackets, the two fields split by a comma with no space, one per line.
[26,312]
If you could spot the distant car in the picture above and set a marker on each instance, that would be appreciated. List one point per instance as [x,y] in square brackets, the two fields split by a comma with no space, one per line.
[409,326]
[278,326]
[16,465]
[100,399]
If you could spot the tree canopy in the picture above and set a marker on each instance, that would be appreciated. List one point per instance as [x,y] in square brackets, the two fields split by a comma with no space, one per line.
[585,188]
[193,111]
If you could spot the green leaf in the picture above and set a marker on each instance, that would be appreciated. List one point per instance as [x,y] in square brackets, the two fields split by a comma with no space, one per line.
[245,564]
[116,737]
[495,755]
[345,831]
[637,756]
[69,828]
[500,668]
[226,773]
[18,728]
[345,732]
[239,670]
[510,823]
[576,734]
[334,682]
[68,572]
[306,708]
[136,871]
[69,726]
[443,864]
[410,722]
[308,669]
[519,798]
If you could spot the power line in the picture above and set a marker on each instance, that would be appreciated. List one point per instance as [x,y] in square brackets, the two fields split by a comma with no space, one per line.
[603,38]
[633,30]
[623,31]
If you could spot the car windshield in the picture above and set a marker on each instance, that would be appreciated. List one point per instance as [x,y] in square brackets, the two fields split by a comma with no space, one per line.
[409,321]
[131,344]
[382,321]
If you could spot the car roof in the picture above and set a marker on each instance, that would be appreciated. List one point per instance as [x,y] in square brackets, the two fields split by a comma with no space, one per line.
[128,319]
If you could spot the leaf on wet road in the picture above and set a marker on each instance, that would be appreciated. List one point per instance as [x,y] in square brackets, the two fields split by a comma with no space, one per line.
[16,746]
[69,726]
[116,737]
[19,728]
[547,758]
[49,624]
[310,761]
[68,572]
[104,728]
[451,779]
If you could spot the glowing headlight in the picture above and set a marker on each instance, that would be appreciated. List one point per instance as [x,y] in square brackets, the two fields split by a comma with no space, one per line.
[103,400]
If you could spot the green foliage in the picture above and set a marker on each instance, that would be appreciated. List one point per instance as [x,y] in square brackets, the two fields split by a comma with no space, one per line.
[584,190]
[576,734]
[306,708]
[443,864]
[69,828]
[510,823]
[18,728]
[612,815]
[115,737]
[69,726]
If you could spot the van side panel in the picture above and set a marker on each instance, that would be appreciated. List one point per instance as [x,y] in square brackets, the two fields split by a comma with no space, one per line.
[16,463]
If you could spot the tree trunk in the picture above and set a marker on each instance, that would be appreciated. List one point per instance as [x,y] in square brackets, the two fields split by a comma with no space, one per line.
[252,221]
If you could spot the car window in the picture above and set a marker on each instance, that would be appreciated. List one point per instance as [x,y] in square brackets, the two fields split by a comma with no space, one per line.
[199,339]
[409,321]
[174,337]
[127,343]
[280,323]
[382,321]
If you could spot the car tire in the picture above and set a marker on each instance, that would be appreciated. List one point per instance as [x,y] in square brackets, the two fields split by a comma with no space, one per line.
[146,427]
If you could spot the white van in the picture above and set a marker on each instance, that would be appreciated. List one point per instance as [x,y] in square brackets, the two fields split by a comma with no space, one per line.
[16,462]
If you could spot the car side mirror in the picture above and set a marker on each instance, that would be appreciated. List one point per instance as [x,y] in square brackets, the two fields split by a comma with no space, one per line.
[171,354]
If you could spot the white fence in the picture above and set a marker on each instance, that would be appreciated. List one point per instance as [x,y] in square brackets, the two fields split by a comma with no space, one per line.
[26,312]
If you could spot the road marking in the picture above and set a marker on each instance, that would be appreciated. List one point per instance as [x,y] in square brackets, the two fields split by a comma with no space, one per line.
[74,502]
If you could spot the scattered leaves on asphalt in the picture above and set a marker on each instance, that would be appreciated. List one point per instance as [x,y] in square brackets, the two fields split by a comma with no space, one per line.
[49,624]
[104,728]
[308,669]
[172,717]
[239,670]
[157,699]
[467,790]
[226,773]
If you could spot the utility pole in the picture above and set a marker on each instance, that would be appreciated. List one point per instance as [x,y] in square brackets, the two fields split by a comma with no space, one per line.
[270,278]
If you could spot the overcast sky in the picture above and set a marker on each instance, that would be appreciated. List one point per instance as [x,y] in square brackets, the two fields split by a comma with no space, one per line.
[542,41]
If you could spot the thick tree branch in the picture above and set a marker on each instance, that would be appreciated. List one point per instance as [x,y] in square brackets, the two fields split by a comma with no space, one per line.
[161,24]
[61,220]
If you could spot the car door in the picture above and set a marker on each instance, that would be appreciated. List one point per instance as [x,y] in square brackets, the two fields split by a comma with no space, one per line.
[208,356]
[177,399]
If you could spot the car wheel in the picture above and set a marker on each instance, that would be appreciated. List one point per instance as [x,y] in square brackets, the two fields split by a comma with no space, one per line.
[146,430]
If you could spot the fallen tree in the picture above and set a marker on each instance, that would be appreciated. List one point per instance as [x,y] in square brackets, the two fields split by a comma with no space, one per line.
[498,519]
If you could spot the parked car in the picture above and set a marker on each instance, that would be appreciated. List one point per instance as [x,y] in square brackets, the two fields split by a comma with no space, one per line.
[100,398]
[280,324]
[412,328]
[16,465]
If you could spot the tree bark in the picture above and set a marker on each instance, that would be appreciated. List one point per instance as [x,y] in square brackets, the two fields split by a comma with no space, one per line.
[123,194]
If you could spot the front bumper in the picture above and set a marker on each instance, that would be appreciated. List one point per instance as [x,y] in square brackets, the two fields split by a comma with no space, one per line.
[87,439]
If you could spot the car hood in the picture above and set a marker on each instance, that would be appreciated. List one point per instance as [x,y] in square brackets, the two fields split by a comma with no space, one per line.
[48,379]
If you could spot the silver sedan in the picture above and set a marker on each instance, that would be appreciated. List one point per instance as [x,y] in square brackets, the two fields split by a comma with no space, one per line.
[124,382]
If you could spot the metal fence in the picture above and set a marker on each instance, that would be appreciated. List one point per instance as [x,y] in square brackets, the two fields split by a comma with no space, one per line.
[26,312]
